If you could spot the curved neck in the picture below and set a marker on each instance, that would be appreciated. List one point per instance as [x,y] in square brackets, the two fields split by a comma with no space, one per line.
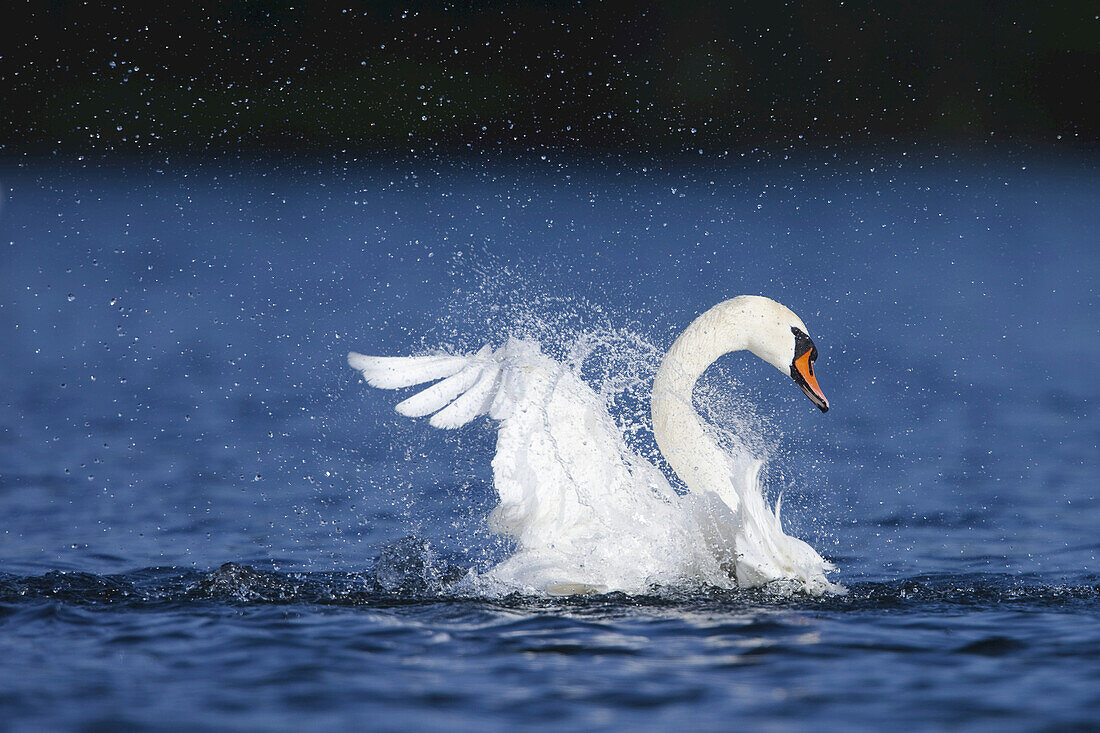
[680,432]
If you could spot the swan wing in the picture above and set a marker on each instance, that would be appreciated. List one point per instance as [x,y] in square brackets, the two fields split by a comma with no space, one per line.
[467,384]
[582,507]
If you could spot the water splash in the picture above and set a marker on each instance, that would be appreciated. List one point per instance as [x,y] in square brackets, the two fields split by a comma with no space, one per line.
[619,362]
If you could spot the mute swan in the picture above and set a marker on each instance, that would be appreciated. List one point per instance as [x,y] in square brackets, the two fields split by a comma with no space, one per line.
[586,513]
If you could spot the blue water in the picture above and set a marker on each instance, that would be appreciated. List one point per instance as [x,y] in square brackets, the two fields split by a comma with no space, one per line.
[209,521]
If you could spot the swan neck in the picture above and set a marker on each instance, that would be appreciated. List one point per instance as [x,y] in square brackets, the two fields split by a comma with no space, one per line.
[680,432]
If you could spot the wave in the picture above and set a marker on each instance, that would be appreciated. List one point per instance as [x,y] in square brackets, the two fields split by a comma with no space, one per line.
[410,573]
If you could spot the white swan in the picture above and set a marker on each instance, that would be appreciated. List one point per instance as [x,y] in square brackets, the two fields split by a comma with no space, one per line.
[585,511]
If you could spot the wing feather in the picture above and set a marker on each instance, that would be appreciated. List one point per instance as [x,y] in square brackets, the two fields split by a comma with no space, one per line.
[439,395]
[394,372]
[468,388]
[473,402]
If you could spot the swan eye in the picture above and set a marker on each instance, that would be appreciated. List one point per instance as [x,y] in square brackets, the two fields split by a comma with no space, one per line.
[803,345]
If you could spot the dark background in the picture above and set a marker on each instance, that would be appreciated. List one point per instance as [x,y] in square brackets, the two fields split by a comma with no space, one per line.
[649,77]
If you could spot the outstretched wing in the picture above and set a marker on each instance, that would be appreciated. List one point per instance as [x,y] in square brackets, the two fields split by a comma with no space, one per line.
[468,384]
[572,493]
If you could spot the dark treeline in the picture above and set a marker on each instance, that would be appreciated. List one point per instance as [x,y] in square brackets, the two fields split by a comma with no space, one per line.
[653,76]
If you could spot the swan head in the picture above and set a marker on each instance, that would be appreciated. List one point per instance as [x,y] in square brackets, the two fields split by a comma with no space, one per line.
[776,335]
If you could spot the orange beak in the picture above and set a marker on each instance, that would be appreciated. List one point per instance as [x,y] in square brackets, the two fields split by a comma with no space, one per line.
[804,375]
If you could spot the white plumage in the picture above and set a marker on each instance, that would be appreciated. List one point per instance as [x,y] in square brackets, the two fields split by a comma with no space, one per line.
[585,511]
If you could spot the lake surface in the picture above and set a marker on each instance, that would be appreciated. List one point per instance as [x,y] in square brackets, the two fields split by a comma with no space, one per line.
[211,522]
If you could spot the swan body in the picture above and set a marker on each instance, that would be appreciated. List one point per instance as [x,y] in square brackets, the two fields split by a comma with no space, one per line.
[586,513]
